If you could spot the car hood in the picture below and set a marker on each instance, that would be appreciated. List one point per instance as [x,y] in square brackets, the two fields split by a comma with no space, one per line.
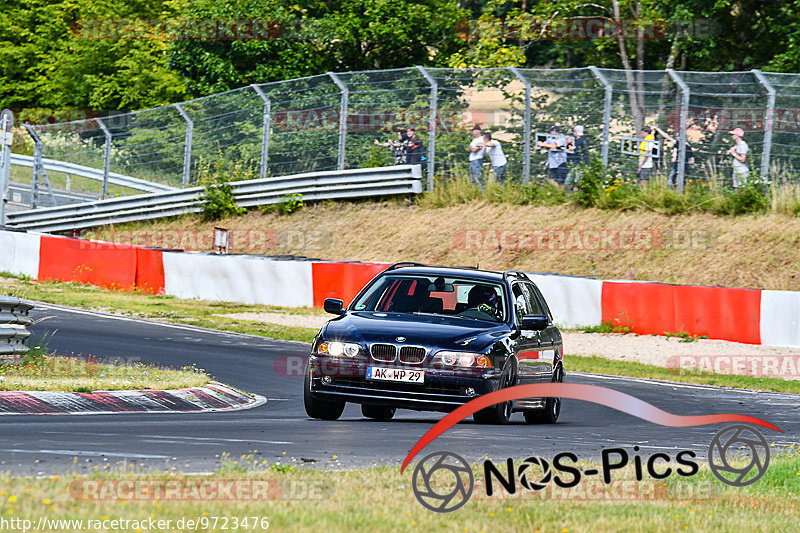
[433,331]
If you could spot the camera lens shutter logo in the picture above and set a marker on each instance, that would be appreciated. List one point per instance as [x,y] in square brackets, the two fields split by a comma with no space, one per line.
[733,439]
[443,482]
[529,463]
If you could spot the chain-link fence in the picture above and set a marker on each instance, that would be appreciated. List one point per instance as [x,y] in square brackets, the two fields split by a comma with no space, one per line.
[345,120]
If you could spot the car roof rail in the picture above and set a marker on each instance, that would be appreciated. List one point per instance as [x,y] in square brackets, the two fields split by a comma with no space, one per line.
[401,264]
[517,273]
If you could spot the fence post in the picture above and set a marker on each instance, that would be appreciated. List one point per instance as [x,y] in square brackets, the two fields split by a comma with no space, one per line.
[106,157]
[431,124]
[6,123]
[265,131]
[342,117]
[683,124]
[526,120]
[187,152]
[609,94]
[769,120]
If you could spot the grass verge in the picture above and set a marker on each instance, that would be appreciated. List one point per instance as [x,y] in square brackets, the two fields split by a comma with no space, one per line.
[73,374]
[380,499]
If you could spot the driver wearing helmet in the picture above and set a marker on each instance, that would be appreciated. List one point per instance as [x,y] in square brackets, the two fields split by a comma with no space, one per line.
[484,299]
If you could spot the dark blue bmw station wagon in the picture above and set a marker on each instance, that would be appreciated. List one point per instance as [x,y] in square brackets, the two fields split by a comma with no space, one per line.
[433,338]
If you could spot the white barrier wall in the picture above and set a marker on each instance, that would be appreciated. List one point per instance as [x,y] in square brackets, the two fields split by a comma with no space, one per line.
[575,302]
[780,318]
[238,279]
[19,253]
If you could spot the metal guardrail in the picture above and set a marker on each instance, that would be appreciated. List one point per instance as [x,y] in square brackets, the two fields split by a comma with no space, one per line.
[354,183]
[14,322]
[92,173]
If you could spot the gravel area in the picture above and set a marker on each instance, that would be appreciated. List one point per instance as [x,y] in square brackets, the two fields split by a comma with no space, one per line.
[649,349]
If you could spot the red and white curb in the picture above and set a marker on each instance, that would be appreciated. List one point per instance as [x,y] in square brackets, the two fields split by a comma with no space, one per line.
[210,398]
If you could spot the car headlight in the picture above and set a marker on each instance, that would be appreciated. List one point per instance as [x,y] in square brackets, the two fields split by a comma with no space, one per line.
[462,359]
[338,349]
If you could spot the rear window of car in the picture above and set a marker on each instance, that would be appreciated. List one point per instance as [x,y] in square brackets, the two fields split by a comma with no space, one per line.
[439,295]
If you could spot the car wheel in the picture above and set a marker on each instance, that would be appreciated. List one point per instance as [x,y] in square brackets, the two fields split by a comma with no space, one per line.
[499,413]
[316,408]
[552,406]
[378,412]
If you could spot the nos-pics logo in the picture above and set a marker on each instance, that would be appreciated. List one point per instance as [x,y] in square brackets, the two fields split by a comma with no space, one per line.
[443,481]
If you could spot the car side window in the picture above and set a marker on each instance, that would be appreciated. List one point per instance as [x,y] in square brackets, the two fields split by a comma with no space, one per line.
[541,304]
[522,304]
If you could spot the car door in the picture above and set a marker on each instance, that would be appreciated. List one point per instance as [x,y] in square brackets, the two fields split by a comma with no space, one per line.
[529,341]
[551,344]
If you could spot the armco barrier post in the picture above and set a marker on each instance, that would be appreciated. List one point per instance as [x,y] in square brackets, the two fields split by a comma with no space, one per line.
[187,152]
[683,124]
[265,130]
[609,94]
[526,134]
[106,157]
[342,118]
[431,124]
[6,123]
[769,120]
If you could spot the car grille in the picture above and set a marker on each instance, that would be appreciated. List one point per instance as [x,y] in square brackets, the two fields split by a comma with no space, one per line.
[383,352]
[412,355]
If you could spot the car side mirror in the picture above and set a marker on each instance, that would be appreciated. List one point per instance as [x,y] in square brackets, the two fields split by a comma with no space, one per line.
[334,306]
[533,322]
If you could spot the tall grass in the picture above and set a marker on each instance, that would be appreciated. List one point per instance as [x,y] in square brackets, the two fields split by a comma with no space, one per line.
[608,189]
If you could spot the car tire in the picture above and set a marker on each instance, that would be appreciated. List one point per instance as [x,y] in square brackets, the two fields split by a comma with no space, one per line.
[378,412]
[500,413]
[552,406]
[316,408]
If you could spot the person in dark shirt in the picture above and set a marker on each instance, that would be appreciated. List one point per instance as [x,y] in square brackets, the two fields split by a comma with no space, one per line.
[577,156]
[414,147]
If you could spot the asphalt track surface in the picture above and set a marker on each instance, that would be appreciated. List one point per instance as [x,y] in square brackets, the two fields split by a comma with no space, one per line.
[48,444]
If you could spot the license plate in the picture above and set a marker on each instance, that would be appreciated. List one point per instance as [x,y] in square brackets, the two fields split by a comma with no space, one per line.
[395,374]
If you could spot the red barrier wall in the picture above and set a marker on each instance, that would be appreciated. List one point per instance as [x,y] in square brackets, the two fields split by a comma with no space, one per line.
[650,308]
[113,266]
[149,271]
[341,280]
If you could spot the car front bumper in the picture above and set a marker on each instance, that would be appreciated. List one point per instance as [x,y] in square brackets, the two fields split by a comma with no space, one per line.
[442,389]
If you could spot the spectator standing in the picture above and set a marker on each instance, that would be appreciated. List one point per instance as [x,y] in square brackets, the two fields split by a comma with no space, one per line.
[476,151]
[398,148]
[646,157]
[688,156]
[494,150]
[739,153]
[578,157]
[414,147]
[556,156]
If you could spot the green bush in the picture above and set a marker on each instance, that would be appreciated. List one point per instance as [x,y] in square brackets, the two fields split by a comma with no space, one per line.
[218,195]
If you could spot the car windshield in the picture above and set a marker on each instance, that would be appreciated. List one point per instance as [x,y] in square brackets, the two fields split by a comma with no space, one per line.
[439,295]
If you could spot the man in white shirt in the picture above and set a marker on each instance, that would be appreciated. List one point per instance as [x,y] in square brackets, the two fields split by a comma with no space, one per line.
[739,153]
[494,150]
[476,150]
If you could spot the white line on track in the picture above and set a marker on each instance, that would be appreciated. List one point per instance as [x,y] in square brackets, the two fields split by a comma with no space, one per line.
[88,453]
[219,439]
